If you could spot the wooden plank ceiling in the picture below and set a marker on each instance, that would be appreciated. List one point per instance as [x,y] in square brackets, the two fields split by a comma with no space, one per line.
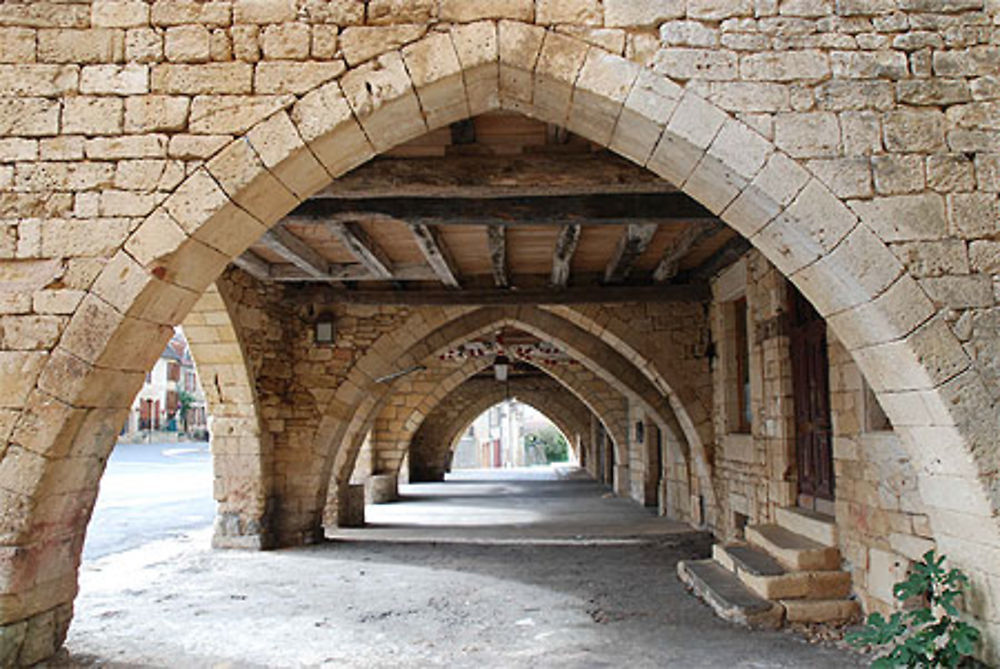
[496,209]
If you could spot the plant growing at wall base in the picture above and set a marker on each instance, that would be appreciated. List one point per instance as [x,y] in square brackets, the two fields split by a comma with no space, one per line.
[930,635]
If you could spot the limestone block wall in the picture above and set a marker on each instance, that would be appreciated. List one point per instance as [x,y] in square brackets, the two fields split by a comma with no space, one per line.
[881,519]
[754,466]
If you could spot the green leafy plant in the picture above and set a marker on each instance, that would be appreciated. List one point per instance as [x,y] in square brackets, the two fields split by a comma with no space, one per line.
[185,402]
[928,635]
[550,442]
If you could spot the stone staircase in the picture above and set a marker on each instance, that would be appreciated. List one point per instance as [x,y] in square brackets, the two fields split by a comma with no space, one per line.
[788,571]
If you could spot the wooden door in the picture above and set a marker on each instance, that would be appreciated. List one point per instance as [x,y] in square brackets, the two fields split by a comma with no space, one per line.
[811,387]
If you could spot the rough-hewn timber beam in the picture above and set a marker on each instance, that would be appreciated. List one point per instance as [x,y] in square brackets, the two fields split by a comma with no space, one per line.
[295,251]
[254,265]
[351,272]
[562,255]
[496,236]
[436,253]
[698,292]
[670,261]
[493,176]
[729,253]
[631,245]
[360,245]
[635,208]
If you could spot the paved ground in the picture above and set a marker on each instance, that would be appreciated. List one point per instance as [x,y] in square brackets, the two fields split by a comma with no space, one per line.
[149,492]
[479,572]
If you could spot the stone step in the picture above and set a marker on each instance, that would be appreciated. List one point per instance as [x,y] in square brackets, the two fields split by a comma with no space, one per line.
[819,527]
[728,597]
[821,610]
[793,551]
[763,575]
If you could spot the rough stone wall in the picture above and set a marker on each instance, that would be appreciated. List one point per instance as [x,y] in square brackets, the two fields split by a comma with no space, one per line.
[881,520]
[754,470]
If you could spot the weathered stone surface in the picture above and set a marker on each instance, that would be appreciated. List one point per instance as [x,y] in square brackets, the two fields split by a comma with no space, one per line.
[114,80]
[81,46]
[155,113]
[298,78]
[188,44]
[29,117]
[288,41]
[361,44]
[474,10]
[92,115]
[623,13]
[215,115]
[205,79]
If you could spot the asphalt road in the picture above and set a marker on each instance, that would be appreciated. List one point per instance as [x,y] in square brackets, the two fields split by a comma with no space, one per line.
[150,492]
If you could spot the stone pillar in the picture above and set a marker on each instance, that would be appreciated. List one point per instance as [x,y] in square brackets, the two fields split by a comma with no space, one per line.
[382,488]
[27,642]
[234,530]
[622,484]
[351,506]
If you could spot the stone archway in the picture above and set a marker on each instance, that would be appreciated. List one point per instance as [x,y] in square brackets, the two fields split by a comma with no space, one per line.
[434,441]
[360,397]
[63,407]
[597,395]
[241,449]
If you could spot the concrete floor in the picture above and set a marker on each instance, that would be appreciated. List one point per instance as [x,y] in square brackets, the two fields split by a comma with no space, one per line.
[483,571]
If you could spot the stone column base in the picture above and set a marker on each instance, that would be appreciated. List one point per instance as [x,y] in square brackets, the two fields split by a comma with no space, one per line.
[622,485]
[232,531]
[27,642]
[382,488]
[351,506]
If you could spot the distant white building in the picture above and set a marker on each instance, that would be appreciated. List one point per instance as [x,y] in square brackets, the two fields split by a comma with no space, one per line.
[157,406]
[496,438]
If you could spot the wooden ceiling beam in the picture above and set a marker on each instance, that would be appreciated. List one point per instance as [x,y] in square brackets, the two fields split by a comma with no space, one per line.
[436,253]
[360,245]
[490,176]
[696,292]
[632,244]
[632,208]
[670,261]
[562,255]
[294,250]
[496,237]
[254,265]
[729,253]
[286,273]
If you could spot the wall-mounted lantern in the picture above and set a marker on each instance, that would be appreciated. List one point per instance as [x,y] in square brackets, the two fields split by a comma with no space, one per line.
[501,367]
[640,431]
[324,331]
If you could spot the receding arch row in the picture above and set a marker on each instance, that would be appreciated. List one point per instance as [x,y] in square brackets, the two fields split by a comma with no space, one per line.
[344,437]
[916,365]
[434,441]
[392,440]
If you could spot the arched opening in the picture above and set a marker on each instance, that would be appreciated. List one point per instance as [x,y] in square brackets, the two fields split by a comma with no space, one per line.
[158,478]
[69,403]
[511,434]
